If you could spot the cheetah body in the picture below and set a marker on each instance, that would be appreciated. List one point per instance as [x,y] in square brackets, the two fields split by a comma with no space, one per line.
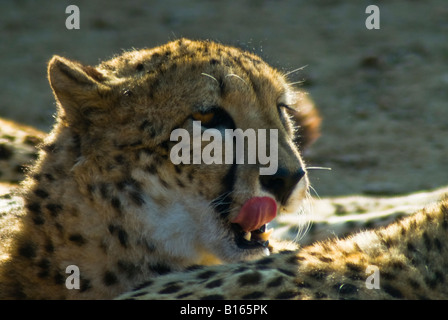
[105,197]
[409,257]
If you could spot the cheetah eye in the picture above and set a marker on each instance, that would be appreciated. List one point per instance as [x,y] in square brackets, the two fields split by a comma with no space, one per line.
[285,112]
[282,109]
[214,118]
[281,106]
[205,118]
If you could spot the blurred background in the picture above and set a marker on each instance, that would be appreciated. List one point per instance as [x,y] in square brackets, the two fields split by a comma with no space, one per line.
[383,93]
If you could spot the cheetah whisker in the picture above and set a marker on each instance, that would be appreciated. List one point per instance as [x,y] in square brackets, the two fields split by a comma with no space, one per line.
[210,76]
[238,77]
[318,168]
[295,70]
[315,191]
[304,211]
[297,82]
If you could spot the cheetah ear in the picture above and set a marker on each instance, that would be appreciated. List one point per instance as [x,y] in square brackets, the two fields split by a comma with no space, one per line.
[78,89]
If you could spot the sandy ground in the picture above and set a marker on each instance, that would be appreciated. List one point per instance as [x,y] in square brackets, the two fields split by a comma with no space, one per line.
[382,93]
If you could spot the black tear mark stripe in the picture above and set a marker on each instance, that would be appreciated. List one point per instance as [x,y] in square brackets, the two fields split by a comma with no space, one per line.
[223,202]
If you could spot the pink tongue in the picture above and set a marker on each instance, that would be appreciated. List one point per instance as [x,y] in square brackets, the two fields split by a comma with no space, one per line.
[256,212]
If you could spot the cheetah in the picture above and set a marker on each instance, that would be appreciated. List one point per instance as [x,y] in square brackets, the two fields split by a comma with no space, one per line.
[104,195]
[405,260]
[18,149]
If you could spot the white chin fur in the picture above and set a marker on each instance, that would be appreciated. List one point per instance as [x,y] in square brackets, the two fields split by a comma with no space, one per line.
[196,233]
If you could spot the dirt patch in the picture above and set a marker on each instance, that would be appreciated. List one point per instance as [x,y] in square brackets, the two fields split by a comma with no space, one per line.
[382,93]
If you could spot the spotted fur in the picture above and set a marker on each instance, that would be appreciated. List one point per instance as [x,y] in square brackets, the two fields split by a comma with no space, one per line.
[104,169]
[18,149]
[410,256]
[104,195]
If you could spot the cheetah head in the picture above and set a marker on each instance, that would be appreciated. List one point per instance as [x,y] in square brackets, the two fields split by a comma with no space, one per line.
[124,112]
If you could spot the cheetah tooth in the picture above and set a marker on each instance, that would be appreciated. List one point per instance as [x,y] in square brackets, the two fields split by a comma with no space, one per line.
[260,236]
[265,235]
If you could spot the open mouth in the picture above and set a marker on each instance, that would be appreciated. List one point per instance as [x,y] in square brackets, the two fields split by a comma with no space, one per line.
[251,239]
[249,225]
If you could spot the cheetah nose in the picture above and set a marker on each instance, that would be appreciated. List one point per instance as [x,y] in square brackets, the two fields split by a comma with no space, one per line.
[255,213]
[282,183]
